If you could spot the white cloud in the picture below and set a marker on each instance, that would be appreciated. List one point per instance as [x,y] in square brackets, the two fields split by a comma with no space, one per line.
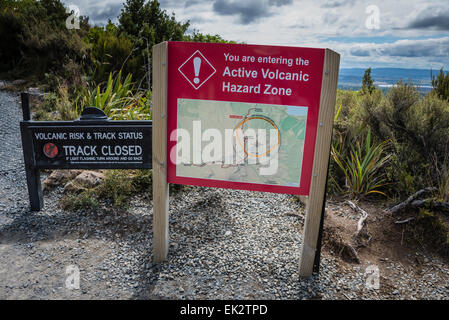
[407,27]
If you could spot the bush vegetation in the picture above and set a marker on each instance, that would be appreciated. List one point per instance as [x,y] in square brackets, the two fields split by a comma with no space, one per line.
[409,132]
[37,45]
[85,200]
[440,84]
[35,40]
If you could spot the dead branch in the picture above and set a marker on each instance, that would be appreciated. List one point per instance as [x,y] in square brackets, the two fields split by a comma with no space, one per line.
[292,214]
[404,221]
[431,204]
[361,223]
[410,199]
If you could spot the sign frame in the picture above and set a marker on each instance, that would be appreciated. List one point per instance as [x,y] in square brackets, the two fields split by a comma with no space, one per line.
[92,118]
[316,200]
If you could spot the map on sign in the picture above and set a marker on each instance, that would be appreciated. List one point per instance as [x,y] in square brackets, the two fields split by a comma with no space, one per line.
[278,141]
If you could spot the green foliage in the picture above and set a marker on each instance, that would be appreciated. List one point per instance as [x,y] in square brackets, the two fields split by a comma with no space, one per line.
[429,230]
[440,84]
[117,99]
[417,128]
[349,127]
[197,36]
[47,108]
[442,179]
[86,200]
[362,164]
[110,52]
[36,42]
[145,24]
[35,39]
[143,180]
[146,19]
[367,82]
[419,131]
[56,106]
[118,187]
[64,107]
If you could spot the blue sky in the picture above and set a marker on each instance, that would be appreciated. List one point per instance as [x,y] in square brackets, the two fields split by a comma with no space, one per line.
[401,33]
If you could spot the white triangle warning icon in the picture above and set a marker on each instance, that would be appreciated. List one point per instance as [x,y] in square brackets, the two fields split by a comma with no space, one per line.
[197,69]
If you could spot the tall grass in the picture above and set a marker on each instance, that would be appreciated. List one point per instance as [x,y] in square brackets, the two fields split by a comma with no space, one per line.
[362,164]
[117,99]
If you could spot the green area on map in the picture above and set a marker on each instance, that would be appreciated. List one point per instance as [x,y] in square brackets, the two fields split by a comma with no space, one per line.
[287,122]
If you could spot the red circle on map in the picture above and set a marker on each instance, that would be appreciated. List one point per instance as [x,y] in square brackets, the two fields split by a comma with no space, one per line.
[50,150]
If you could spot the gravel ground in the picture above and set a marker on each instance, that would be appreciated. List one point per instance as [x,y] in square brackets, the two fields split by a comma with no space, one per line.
[225,244]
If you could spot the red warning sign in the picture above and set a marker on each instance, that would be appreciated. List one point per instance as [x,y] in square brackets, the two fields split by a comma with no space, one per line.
[197,69]
[215,87]
[51,150]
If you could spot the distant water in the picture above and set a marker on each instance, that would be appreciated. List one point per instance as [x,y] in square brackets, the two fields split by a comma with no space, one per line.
[385,78]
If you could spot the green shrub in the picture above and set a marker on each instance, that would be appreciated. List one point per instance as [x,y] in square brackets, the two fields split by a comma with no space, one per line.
[419,131]
[110,52]
[197,36]
[64,106]
[45,111]
[440,84]
[86,200]
[118,187]
[142,180]
[117,99]
[367,82]
[35,39]
[362,164]
[429,230]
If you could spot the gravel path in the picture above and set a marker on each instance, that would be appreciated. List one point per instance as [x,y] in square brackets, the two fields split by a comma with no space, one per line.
[225,244]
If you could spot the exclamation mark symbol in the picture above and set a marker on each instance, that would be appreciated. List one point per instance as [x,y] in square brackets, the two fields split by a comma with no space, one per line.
[197,66]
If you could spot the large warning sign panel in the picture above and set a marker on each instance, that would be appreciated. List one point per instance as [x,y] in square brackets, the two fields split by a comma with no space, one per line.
[243,116]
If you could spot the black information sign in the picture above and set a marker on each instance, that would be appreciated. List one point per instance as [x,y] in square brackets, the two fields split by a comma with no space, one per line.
[92,142]
[106,146]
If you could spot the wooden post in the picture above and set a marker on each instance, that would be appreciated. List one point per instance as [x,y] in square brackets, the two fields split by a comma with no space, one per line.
[315,201]
[33,175]
[160,185]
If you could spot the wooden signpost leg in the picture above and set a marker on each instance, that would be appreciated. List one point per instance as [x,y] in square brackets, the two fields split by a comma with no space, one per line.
[32,174]
[320,164]
[160,185]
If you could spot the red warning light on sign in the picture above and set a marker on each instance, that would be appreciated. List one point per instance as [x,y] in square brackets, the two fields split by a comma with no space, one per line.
[51,150]
[197,69]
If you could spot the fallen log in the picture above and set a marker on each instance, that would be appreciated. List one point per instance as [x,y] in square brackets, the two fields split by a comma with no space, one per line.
[410,199]
[431,204]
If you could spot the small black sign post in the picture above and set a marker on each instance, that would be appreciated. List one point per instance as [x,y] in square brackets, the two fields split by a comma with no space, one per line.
[92,142]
